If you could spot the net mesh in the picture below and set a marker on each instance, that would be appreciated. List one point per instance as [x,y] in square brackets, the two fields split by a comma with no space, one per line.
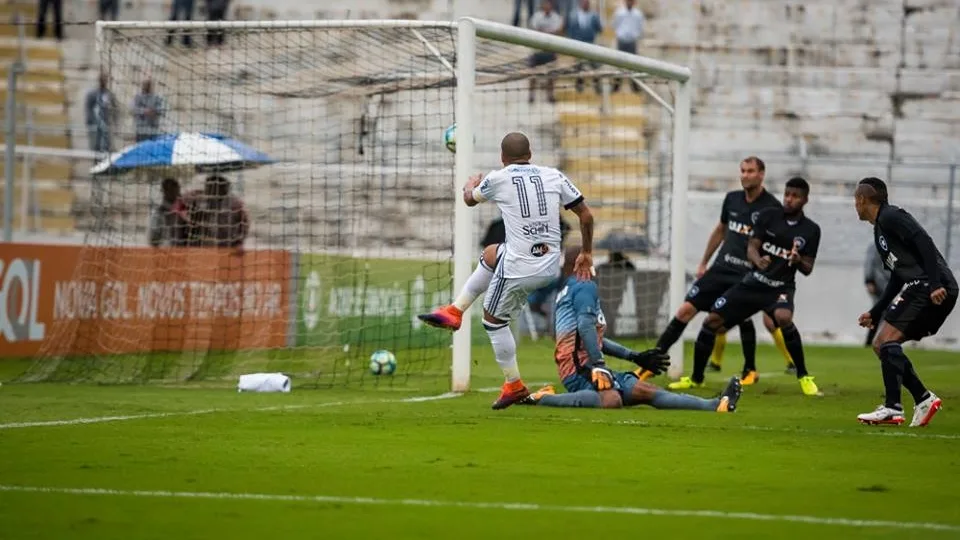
[311,263]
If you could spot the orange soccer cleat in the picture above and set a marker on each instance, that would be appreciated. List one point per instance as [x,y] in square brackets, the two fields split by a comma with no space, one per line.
[448,317]
[511,393]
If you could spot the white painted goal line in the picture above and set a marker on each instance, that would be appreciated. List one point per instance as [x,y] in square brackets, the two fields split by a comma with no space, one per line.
[121,418]
[515,506]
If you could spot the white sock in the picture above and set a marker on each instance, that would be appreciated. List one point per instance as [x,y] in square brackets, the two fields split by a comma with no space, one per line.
[505,351]
[476,285]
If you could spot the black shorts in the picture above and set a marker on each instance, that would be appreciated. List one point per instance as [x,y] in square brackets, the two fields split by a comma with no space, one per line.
[914,314]
[705,291]
[741,301]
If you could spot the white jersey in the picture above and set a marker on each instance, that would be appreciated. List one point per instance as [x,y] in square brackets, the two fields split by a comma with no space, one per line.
[529,199]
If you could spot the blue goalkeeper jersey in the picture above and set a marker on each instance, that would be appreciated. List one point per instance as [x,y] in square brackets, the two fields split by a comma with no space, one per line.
[576,298]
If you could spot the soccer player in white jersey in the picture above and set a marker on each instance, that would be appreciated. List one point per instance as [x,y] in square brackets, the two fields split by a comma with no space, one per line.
[529,198]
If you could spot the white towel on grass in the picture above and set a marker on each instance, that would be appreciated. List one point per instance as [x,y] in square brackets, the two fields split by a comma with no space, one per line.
[264,382]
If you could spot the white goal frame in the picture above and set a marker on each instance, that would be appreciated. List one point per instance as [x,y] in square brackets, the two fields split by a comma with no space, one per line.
[468,31]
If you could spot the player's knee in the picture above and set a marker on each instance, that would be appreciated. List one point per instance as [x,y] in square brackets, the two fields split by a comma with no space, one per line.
[643,392]
[769,323]
[491,321]
[490,255]
[784,318]
[686,312]
[748,329]
[713,323]
[610,399]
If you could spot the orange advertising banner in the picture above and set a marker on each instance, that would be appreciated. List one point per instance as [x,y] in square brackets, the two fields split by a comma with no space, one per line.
[77,300]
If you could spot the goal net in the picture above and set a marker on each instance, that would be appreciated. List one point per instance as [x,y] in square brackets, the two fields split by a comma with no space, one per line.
[310,262]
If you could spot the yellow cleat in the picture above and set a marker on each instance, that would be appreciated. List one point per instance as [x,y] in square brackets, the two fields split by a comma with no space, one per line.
[643,374]
[809,387]
[685,383]
[535,397]
[749,378]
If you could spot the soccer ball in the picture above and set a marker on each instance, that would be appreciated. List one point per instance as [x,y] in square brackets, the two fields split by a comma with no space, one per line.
[383,363]
[450,138]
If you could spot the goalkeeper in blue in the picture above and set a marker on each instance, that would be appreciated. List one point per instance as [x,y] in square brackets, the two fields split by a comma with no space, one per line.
[580,351]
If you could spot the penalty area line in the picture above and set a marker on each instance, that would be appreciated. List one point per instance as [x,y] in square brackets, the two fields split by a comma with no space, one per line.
[528,507]
[122,418]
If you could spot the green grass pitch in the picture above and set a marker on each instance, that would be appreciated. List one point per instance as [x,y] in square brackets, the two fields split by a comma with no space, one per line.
[370,463]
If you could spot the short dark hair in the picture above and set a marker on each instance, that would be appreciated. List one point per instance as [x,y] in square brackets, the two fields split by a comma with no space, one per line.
[761,166]
[169,182]
[879,193]
[798,182]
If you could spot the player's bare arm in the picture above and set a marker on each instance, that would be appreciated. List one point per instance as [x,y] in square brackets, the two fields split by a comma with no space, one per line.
[583,268]
[753,254]
[804,263]
[468,190]
[713,243]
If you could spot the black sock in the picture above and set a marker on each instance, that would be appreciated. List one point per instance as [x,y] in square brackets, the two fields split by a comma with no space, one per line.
[748,340]
[701,353]
[892,353]
[892,365]
[671,334]
[791,337]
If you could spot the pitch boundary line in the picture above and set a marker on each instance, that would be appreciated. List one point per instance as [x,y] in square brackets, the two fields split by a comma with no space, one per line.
[869,431]
[529,507]
[121,418]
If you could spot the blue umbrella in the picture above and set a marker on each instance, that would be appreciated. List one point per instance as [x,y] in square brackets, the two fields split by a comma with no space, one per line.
[198,151]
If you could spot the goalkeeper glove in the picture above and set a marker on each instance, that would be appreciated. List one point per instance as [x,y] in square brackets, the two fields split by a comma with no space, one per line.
[653,360]
[602,378]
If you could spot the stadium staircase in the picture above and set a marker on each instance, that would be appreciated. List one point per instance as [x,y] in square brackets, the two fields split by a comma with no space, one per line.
[606,152]
[41,90]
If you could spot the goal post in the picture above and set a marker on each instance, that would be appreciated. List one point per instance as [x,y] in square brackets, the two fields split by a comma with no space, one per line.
[359,224]
[469,30]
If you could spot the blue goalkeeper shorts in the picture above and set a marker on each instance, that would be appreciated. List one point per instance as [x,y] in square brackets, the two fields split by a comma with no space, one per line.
[623,382]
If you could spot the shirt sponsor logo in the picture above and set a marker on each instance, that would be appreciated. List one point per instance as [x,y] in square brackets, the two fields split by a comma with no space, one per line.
[739,228]
[539,250]
[767,281]
[736,261]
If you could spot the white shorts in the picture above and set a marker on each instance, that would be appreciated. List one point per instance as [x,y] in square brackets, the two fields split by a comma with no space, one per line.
[505,297]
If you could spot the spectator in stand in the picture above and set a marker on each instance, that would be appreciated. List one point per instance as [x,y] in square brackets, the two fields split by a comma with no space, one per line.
[109,9]
[181,10]
[628,27]
[57,6]
[148,109]
[217,218]
[100,107]
[875,278]
[170,222]
[549,21]
[563,7]
[584,25]
[216,11]
[518,8]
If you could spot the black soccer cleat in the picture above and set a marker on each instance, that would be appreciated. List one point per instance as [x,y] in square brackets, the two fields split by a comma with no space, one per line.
[730,395]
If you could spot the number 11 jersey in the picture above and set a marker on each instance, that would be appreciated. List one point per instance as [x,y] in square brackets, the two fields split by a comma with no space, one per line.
[529,198]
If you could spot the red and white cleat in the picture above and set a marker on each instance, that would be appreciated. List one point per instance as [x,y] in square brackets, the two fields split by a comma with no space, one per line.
[883,415]
[926,410]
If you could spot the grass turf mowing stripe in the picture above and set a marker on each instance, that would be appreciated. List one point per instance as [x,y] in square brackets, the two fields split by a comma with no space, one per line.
[121,418]
[529,507]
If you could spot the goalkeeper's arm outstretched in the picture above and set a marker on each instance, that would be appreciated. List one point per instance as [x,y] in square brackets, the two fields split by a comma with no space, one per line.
[580,351]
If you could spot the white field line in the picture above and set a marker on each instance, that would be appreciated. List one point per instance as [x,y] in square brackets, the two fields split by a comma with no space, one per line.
[879,431]
[527,507]
[103,419]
